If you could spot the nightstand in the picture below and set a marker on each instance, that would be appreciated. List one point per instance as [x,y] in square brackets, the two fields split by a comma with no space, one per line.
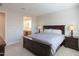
[71,42]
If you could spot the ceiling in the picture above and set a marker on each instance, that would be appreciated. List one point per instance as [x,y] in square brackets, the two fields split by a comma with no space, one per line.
[36,9]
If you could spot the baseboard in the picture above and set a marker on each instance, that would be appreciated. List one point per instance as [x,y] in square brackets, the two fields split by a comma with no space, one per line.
[13,42]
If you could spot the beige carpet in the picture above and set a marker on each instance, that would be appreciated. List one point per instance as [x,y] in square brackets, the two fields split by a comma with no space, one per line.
[18,50]
[63,51]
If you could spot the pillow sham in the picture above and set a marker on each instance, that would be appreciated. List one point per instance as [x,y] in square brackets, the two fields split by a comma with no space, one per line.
[56,31]
[48,30]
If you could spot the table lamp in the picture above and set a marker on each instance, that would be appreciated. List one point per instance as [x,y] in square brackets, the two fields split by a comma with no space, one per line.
[71,29]
[39,28]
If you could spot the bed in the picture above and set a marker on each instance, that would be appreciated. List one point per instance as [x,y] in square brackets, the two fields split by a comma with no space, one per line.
[43,44]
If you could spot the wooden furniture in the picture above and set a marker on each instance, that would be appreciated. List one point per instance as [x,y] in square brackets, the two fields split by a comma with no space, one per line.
[2,47]
[71,42]
[37,47]
[26,33]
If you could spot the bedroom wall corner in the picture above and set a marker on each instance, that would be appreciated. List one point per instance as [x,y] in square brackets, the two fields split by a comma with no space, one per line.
[64,17]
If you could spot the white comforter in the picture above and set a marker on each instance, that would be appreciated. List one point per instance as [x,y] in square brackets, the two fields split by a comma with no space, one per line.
[54,39]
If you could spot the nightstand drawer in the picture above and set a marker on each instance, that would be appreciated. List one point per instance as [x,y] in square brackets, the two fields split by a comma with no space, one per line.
[67,43]
[71,42]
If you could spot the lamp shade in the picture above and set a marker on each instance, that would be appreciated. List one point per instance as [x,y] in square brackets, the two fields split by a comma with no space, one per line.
[39,27]
[72,27]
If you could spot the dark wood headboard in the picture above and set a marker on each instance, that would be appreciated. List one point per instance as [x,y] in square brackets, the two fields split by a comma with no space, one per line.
[60,27]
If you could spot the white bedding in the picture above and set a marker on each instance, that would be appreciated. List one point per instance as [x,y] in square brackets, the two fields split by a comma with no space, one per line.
[54,39]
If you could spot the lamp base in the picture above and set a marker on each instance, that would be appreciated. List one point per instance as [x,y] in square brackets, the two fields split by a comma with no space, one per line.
[71,33]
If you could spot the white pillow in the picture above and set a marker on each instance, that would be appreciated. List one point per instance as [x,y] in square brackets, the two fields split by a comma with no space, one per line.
[48,30]
[56,31]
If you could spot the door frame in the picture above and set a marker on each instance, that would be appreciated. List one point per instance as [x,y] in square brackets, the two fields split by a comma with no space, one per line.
[5,24]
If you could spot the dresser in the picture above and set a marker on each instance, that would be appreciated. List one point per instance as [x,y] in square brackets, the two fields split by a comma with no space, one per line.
[2,47]
[71,42]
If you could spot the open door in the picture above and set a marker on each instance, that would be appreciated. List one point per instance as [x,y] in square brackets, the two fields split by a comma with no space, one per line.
[27,21]
[2,25]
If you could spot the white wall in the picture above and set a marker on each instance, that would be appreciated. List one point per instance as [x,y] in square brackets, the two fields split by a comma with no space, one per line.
[34,24]
[64,17]
[13,26]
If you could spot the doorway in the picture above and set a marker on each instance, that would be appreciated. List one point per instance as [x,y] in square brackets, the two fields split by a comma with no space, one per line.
[27,27]
[2,25]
